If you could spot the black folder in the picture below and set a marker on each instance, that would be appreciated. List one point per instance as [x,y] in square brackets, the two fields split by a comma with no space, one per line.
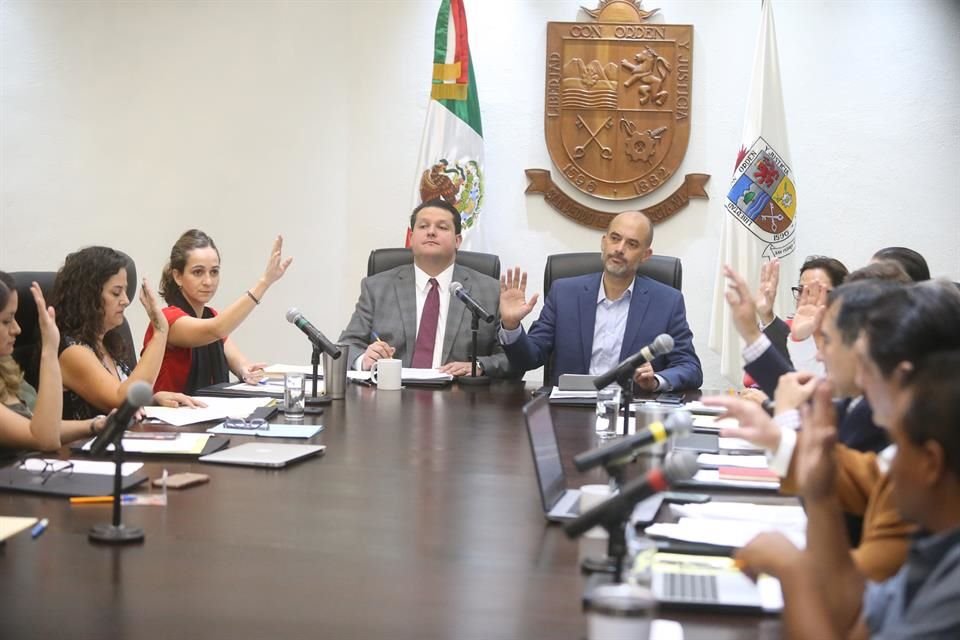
[65,484]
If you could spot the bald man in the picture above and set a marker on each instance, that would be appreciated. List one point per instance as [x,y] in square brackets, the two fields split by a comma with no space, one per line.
[592,322]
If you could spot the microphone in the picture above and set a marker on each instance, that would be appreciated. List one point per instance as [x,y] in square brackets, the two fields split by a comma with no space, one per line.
[139,394]
[662,345]
[316,337]
[677,423]
[457,289]
[681,465]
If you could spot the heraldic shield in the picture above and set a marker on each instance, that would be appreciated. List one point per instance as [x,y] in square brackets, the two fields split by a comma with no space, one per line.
[618,104]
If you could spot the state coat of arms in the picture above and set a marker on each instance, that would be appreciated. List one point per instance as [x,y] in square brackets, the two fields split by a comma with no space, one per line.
[618,100]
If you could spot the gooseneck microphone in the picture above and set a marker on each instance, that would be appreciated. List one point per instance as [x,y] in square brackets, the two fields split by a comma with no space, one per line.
[139,394]
[457,289]
[316,337]
[620,452]
[662,345]
[680,465]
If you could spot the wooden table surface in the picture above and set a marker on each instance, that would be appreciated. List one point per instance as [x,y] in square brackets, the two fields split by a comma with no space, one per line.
[422,520]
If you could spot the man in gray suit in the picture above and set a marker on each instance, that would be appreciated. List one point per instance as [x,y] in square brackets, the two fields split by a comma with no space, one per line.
[407,312]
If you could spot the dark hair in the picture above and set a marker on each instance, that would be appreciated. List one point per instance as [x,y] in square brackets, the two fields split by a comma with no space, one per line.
[887,270]
[857,299]
[437,203]
[934,412]
[78,298]
[912,322]
[911,261]
[179,254]
[835,270]
[7,285]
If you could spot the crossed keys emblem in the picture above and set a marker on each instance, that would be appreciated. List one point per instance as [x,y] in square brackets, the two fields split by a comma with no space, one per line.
[605,152]
[773,217]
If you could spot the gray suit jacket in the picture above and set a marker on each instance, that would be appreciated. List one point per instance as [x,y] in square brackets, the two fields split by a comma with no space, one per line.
[388,305]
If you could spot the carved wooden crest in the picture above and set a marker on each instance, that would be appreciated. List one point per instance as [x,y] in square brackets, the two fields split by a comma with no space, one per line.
[618,100]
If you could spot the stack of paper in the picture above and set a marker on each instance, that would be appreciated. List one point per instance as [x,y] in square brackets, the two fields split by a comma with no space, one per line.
[216,409]
[180,444]
[92,467]
[715,460]
[724,532]
[278,430]
[278,370]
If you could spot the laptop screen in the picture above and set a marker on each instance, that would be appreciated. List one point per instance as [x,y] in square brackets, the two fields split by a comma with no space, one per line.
[546,452]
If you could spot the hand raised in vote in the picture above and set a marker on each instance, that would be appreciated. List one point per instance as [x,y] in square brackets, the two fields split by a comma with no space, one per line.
[643,377]
[514,305]
[793,389]
[770,552]
[151,305]
[741,304]
[815,457]
[810,310]
[767,291]
[49,332]
[755,425]
[376,351]
[276,265]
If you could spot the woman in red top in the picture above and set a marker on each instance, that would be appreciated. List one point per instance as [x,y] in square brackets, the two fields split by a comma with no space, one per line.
[198,353]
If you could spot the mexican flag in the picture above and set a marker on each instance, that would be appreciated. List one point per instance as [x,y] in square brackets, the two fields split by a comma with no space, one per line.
[760,210]
[450,166]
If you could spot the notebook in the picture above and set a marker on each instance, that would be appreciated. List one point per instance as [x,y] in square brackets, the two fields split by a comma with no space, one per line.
[559,503]
[711,582]
[264,454]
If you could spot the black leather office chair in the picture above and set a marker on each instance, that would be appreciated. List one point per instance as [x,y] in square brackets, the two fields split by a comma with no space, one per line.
[384,259]
[665,269]
[26,350]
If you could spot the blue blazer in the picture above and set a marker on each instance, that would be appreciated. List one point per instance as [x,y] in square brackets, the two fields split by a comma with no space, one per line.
[856,429]
[566,324]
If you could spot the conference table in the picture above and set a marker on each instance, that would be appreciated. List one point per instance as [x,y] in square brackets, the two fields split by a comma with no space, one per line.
[421,520]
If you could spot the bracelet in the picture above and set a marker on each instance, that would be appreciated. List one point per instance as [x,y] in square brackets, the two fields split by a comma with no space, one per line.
[253,297]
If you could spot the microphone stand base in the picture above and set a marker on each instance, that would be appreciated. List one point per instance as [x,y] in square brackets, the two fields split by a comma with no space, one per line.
[115,534]
[473,381]
[605,565]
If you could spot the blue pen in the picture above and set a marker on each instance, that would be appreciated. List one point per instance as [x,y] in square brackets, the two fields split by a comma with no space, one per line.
[39,528]
[375,336]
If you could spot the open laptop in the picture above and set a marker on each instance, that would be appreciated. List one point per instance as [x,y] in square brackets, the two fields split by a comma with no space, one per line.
[711,583]
[264,454]
[559,503]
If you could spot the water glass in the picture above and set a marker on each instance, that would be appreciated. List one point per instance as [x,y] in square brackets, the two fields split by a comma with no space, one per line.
[294,397]
[608,410]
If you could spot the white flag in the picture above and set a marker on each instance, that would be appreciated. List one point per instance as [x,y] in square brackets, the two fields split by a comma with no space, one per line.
[759,212]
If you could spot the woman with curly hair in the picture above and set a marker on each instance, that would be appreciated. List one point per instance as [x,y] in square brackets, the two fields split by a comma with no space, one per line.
[90,295]
[199,352]
[30,418]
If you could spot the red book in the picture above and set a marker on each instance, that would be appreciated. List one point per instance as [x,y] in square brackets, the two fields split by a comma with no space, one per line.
[751,475]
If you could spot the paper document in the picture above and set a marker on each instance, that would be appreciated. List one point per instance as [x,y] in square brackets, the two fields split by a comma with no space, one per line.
[424,375]
[184,444]
[91,467]
[280,369]
[216,409]
[736,444]
[557,394]
[695,406]
[722,532]
[280,430]
[709,460]
[12,525]
[773,514]
[712,477]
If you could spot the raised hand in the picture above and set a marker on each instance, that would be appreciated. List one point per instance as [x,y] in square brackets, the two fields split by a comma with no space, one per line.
[514,305]
[276,265]
[815,457]
[741,304]
[152,306]
[793,389]
[49,332]
[756,426]
[810,309]
[767,291]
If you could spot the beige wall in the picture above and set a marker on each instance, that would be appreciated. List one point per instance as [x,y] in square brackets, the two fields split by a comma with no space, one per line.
[124,123]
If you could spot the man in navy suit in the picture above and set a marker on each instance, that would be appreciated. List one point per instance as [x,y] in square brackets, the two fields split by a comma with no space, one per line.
[590,323]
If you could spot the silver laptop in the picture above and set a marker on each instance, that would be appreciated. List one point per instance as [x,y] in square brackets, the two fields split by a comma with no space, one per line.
[687,585]
[264,454]
[559,503]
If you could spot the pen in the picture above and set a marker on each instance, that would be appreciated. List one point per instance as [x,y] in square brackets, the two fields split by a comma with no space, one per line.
[101,499]
[39,528]
[376,336]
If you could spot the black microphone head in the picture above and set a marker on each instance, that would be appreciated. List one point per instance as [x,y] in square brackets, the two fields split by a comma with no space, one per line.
[455,286]
[680,465]
[292,314]
[139,394]
[662,344]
